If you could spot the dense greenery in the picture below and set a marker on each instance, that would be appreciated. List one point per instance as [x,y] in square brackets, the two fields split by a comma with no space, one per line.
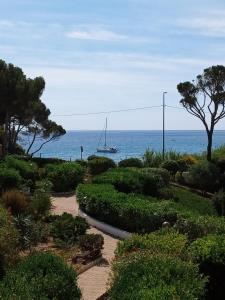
[98,164]
[40,276]
[9,178]
[209,252]
[65,176]
[131,162]
[66,229]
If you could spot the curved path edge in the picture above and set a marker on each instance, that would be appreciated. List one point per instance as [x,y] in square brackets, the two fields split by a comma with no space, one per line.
[106,228]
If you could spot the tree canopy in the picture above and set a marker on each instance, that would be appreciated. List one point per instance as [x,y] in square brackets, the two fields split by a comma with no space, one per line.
[204,98]
[21,109]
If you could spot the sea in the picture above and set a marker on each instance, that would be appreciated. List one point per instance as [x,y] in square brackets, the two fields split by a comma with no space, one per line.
[130,143]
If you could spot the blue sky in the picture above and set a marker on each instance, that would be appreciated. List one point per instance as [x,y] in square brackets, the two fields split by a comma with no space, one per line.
[101,55]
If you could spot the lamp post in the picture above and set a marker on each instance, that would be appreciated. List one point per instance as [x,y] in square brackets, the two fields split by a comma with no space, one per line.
[163,148]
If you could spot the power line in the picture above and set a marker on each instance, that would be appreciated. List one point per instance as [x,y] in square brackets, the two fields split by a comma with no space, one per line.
[108,112]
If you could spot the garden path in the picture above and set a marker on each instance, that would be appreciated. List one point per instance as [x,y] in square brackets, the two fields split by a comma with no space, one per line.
[93,282]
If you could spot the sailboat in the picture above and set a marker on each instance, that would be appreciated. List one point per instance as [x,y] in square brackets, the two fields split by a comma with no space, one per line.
[106,149]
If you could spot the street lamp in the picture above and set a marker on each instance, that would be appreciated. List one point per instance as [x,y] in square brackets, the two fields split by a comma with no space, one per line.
[163,150]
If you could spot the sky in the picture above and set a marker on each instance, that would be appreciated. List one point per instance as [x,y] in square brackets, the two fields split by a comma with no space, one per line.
[107,55]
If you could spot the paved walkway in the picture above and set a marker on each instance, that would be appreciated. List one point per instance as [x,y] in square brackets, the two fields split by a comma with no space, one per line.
[93,282]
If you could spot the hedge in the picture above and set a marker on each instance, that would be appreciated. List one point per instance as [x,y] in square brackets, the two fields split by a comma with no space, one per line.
[40,276]
[162,241]
[131,162]
[209,252]
[128,212]
[157,277]
[129,180]
[66,176]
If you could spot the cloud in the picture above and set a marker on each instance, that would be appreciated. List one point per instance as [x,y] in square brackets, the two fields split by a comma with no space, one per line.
[210,25]
[97,35]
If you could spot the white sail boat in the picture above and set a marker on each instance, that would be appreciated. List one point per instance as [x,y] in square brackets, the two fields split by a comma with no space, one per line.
[106,149]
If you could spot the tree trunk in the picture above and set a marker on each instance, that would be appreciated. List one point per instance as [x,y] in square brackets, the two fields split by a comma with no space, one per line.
[209,146]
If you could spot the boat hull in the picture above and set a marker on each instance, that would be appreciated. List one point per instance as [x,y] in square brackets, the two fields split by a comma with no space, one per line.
[107,150]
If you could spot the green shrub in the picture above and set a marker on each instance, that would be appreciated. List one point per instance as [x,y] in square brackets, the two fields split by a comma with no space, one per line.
[179,178]
[81,162]
[198,226]
[40,276]
[157,277]
[30,231]
[98,165]
[204,175]
[219,202]
[27,169]
[209,252]
[9,178]
[163,173]
[182,165]
[40,204]
[66,229]
[118,209]
[163,241]
[65,177]
[9,242]
[15,201]
[91,242]
[129,180]
[130,162]
[154,159]
[43,161]
[170,165]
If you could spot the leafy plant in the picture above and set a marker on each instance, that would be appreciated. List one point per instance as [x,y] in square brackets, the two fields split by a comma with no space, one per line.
[66,229]
[91,242]
[9,178]
[131,162]
[40,276]
[219,202]
[171,165]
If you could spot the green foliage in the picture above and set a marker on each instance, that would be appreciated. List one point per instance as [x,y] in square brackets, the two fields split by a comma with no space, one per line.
[129,180]
[91,242]
[163,241]
[154,159]
[182,165]
[65,177]
[9,178]
[40,276]
[209,252]
[118,209]
[198,226]
[40,204]
[219,202]
[30,231]
[66,229]
[219,152]
[43,161]
[98,164]
[9,241]
[157,277]
[204,175]
[170,165]
[27,169]
[191,202]
[163,173]
[131,162]
[15,201]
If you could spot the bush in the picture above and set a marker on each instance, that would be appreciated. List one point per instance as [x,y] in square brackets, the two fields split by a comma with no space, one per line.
[131,162]
[157,277]
[30,232]
[163,173]
[219,202]
[170,165]
[40,276]
[198,226]
[163,241]
[9,178]
[27,169]
[204,176]
[65,177]
[129,180]
[179,178]
[66,229]
[91,242]
[209,252]
[190,160]
[98,165]
[182,165]
[118,209]
[9,242]
[40,204]
[154,159]
[43,161]
[15,201]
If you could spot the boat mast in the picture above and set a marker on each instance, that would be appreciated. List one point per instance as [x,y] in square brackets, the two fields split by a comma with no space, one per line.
[105,130]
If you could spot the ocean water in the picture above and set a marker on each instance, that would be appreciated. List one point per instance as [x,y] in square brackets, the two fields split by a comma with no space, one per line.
[129,143]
